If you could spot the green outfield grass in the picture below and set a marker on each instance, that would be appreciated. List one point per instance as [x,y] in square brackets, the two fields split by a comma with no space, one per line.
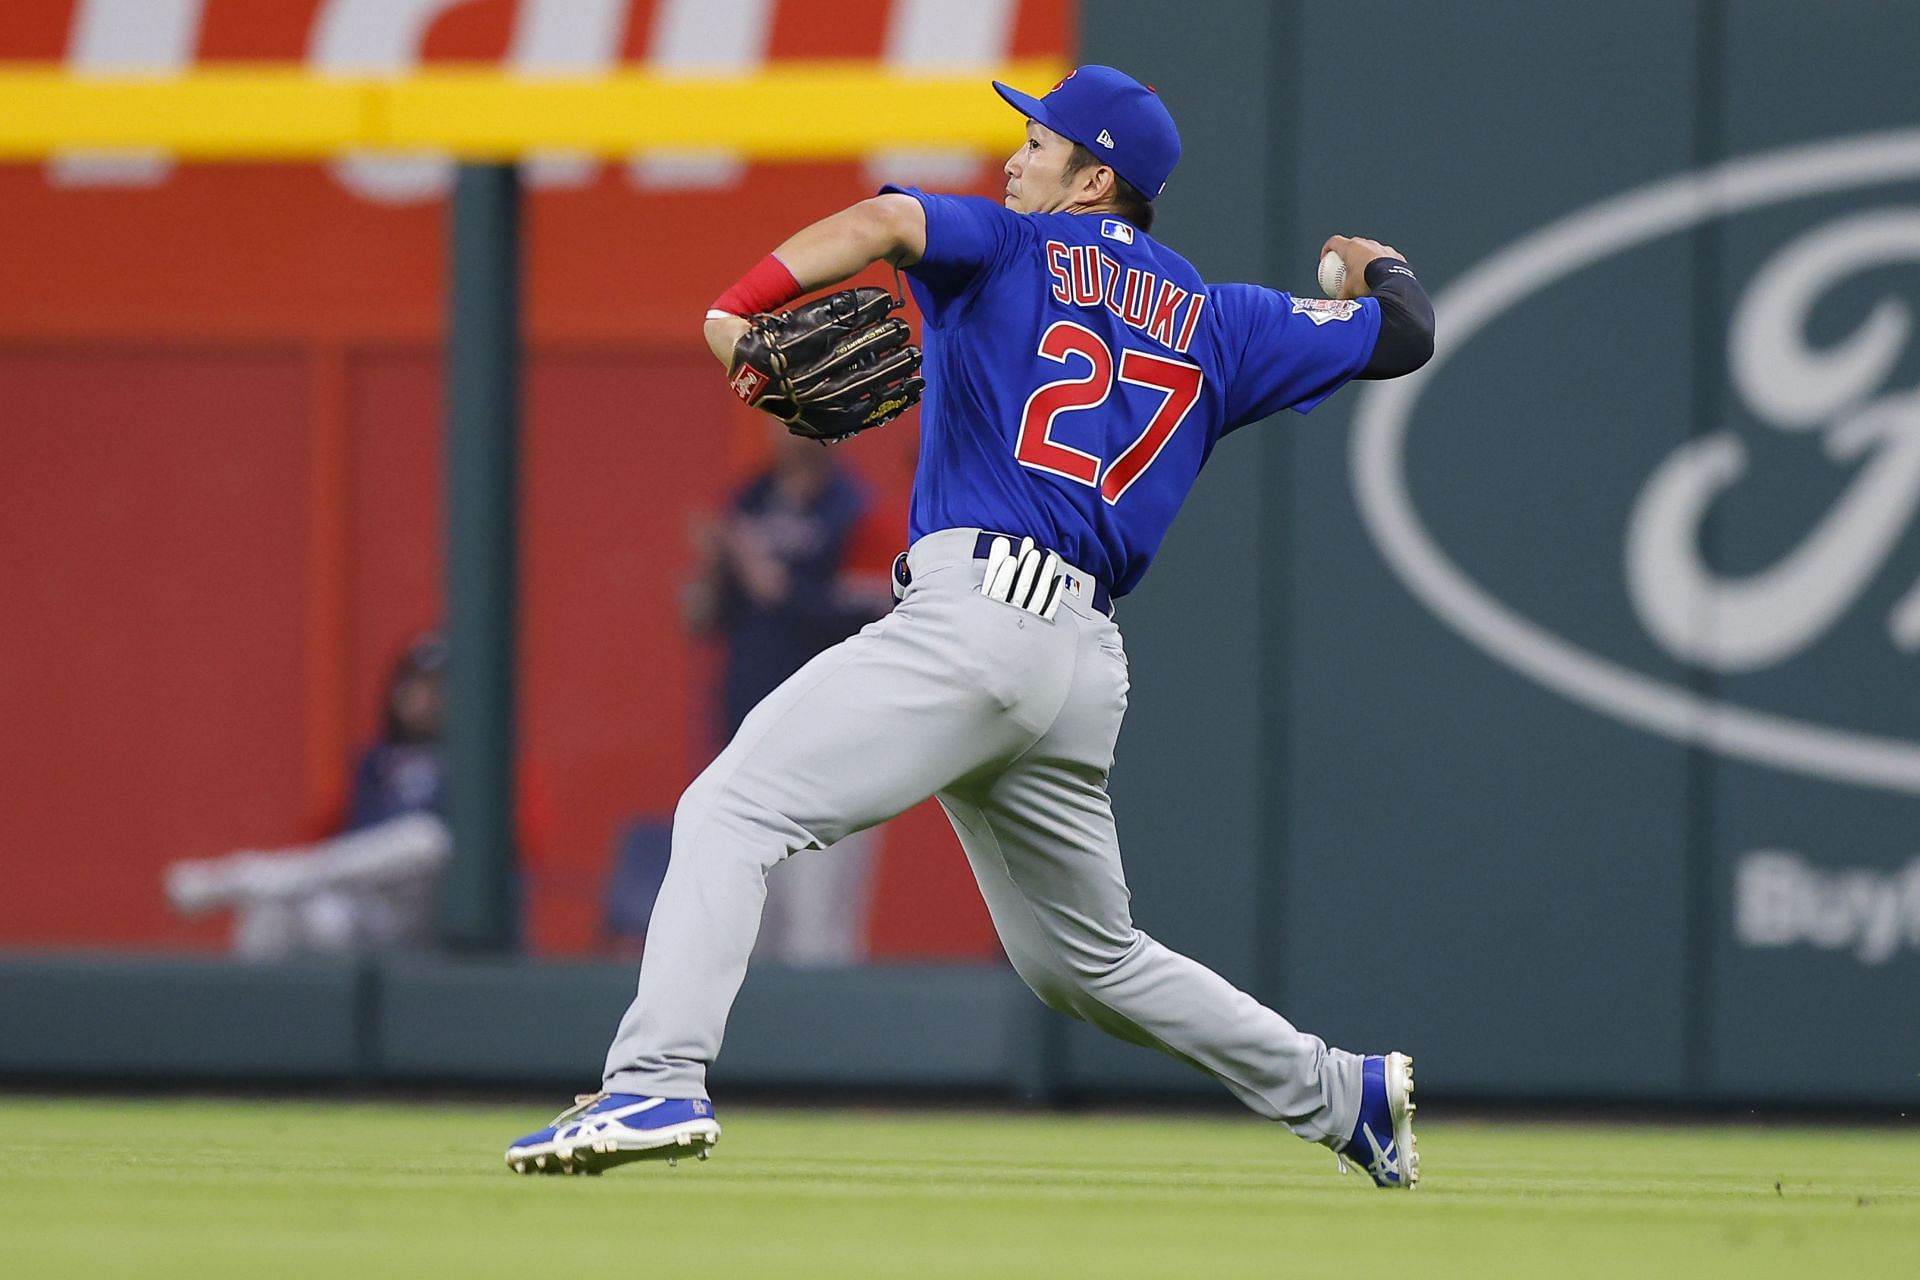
[202,1189]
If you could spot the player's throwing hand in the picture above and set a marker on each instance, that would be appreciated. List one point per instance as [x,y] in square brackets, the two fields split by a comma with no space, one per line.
[1356,252]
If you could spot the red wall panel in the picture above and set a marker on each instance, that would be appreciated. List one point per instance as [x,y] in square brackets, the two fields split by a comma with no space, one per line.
[220,500]
[153,684]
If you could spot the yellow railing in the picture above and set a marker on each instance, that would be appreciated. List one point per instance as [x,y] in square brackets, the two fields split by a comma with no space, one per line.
[800,111]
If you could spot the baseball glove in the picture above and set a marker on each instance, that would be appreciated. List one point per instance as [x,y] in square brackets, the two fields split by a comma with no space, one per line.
[830,368]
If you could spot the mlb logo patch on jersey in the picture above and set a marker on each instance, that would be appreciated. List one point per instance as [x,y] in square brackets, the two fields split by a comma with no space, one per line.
[1114,229]
[1321,310]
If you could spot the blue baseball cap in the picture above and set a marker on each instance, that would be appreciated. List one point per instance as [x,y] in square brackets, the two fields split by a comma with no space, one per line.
[1112,115]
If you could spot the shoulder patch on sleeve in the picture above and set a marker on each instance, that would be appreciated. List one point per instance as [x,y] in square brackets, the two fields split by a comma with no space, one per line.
[1321,310]
[1114,229]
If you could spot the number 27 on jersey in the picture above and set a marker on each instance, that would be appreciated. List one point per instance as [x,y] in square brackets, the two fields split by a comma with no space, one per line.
[1178,382]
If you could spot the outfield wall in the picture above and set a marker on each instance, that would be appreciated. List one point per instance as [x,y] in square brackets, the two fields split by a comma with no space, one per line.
[1556,722]
[156,1022]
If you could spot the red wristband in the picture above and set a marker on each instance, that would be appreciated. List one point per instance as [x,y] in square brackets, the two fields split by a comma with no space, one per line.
[768,285]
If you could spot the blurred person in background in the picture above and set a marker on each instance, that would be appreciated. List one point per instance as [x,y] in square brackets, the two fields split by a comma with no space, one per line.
[773,582]
[374,884]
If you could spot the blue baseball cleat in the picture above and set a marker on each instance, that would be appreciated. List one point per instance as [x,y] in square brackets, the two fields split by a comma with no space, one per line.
[601,1130]
[1382,1141]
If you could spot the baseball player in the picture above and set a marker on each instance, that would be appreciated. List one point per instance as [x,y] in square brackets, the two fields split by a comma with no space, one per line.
[1077,374]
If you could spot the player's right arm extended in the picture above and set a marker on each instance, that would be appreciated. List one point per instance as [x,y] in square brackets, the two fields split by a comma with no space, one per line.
[886,228]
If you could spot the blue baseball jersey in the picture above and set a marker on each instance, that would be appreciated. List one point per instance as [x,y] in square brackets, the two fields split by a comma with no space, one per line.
[1079,374]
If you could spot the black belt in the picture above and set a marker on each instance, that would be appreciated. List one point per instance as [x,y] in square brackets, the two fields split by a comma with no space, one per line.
[982,547]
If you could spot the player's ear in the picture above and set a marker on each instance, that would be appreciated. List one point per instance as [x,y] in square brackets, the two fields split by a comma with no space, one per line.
[1094,182]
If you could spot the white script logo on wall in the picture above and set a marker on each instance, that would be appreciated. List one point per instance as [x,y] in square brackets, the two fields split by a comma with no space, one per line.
[1841,393]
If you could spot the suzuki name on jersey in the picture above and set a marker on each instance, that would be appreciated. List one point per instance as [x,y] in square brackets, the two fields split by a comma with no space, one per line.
[1083,276]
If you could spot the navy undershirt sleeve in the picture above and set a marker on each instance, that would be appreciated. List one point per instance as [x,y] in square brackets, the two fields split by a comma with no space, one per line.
[1406,320]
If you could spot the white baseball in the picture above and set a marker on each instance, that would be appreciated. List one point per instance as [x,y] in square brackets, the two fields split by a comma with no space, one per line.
[1333,274]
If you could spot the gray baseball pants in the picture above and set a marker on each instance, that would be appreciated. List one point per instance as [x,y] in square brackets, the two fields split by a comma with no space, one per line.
[1011,720]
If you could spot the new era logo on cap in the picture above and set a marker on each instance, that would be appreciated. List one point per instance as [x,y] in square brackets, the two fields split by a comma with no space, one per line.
[1105,139]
